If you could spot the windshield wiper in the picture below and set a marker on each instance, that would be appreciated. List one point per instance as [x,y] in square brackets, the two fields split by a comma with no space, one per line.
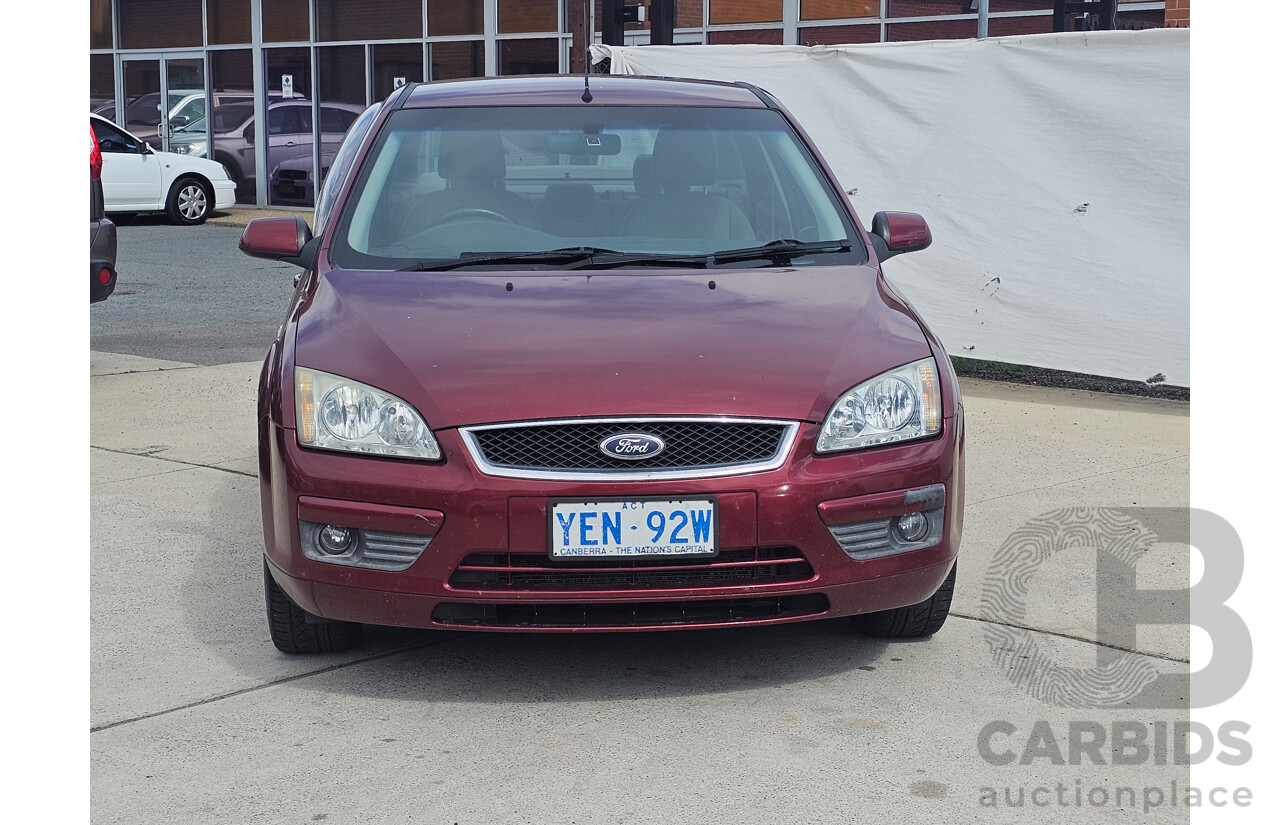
[613,260]
[566,255]
[780,252]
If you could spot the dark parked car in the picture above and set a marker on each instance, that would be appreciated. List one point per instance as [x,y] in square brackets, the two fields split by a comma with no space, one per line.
[292,183]
[625,363]
[102,232]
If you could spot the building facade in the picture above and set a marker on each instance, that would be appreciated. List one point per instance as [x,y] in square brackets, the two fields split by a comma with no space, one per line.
[210,77]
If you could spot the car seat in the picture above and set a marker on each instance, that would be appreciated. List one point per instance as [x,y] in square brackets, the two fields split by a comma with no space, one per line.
[684,162]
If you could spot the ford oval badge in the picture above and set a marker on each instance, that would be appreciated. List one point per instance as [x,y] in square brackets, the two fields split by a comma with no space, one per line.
[632,446]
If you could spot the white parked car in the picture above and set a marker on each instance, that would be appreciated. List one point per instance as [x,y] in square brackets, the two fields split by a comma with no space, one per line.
[137,178]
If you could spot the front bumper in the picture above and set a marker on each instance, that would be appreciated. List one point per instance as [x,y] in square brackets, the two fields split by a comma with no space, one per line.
[224,194]
[293,191]
[779,521]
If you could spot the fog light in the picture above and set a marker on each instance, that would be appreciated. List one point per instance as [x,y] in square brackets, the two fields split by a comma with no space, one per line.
[912,527]
[335,540]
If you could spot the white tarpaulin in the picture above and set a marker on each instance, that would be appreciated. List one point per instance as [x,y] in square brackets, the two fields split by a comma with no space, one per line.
[1054,171]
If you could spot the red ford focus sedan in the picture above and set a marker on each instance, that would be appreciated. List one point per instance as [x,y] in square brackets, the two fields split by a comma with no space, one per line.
[617,358]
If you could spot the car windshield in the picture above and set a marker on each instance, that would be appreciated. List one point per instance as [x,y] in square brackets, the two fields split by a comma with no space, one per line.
[230,116]
[573,186]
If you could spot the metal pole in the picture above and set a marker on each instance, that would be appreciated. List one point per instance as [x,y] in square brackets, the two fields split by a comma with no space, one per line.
[984,6]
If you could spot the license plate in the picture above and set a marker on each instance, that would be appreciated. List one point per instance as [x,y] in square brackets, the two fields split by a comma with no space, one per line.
[634,527]
[287,189]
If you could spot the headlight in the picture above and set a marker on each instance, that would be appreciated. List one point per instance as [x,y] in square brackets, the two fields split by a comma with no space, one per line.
[335,413]
[195,148]
[899,405]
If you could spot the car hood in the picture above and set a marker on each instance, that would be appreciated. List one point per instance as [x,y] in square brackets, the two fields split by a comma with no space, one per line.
[181,164]
[483,347]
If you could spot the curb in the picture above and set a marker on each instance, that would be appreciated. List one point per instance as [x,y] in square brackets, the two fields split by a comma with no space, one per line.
[240,216]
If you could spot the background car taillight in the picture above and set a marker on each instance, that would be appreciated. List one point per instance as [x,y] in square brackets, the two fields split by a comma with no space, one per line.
[102,280]
[95,156]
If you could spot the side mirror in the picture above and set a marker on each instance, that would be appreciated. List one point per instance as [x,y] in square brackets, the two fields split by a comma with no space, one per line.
[893,233]
[280,239]
[178,122]
[248,134]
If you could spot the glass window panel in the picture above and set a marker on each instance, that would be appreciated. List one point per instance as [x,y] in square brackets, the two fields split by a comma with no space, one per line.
[541,56]
[286,20]
[454,60]
[451,17]
[289,139]
[160,24]
[839,35]
[1005,26]
[296,63]
[341,73]
[229,21]
[931,8]
[186,76]
[231,69]
[340,86]
[231,77]
[102,85]
[1137,20]
[527,16]
[368,19]
[392,61]
[100,24]
[939,30]
[688,16]
[833,9]
[772,37]
[745,11]
[142,98]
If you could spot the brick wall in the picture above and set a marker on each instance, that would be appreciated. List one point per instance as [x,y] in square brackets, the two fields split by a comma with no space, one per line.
[1177,13]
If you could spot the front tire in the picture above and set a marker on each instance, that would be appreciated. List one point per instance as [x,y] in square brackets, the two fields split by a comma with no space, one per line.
[293,630]
[914,621]
[190,202]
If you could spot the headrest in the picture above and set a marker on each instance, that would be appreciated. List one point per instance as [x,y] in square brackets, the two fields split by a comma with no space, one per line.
[645,183]
[472,154]
[684,157]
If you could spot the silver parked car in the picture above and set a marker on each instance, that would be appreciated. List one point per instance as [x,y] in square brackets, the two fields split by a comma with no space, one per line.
[289,126]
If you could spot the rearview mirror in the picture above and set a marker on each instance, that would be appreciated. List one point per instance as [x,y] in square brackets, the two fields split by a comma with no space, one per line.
[568,143]
[279,239]
[893,233]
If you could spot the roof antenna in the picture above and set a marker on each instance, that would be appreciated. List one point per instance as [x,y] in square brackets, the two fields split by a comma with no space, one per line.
[586,65]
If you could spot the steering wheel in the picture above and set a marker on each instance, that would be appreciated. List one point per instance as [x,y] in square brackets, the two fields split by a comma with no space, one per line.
[463,212]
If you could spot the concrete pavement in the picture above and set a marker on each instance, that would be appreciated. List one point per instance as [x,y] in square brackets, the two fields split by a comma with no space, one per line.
[196,718]
[241,215]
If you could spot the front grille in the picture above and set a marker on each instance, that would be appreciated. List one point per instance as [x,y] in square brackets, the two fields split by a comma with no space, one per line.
[522,572]
[292,174]
[571,449]
[633,615]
